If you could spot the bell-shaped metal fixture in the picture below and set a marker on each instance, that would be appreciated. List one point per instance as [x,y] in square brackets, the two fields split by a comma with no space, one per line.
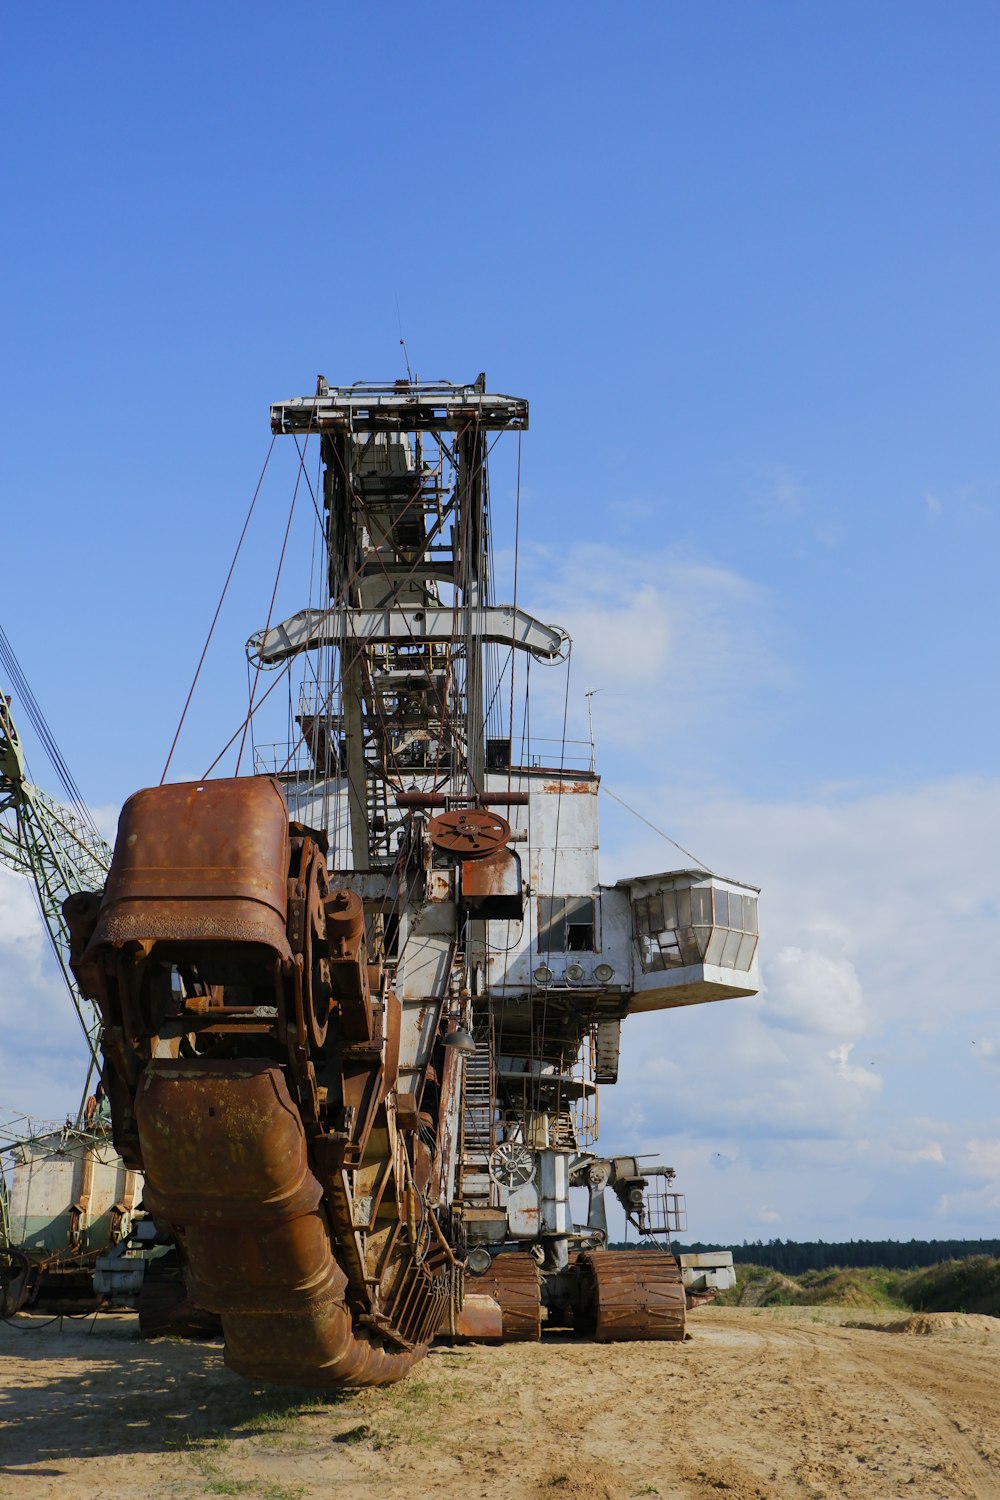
[461,1039]
[480,1259]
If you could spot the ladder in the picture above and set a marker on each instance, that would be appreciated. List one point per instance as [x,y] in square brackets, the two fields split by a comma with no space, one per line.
[478,1117]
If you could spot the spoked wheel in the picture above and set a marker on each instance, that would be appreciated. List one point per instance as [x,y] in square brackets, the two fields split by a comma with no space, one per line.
[638,1294]
[512,1165]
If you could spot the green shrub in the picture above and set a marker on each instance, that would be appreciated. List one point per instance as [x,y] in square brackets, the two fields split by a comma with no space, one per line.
[970,1286]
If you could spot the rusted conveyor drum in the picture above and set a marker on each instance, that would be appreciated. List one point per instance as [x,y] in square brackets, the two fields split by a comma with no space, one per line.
[638,1294]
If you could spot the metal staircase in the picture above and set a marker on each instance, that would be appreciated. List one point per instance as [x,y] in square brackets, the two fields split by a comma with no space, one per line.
[478,1122]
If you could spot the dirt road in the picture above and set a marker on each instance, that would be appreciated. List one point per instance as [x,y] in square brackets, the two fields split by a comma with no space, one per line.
[757,1405]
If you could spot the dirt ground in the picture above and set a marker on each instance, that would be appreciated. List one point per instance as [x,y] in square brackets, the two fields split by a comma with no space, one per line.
[756,1405]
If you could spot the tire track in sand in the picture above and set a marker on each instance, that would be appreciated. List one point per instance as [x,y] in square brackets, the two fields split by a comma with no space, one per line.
[978,1479]
[816,1432]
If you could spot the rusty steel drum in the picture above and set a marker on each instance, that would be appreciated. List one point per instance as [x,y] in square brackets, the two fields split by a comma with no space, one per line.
[638,1294]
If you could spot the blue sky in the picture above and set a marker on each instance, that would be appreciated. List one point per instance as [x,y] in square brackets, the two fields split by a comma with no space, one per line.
[742,259]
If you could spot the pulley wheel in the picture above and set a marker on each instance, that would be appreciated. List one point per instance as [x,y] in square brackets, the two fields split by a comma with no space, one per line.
[512,1165]
[469,832]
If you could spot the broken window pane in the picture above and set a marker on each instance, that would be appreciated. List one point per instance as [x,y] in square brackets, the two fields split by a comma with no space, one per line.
[580,924]
[567,924]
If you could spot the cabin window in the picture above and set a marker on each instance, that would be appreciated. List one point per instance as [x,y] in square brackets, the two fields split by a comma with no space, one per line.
[703,924]
[664,933]
[567,924]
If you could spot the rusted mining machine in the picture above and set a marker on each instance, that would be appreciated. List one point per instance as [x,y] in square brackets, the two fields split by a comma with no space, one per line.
[357,1007]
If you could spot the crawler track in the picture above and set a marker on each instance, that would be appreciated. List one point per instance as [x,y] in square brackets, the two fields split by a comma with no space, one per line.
[638,1294]
[513,1280]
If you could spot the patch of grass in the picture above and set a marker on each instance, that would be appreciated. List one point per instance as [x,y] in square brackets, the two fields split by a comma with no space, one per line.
[288,1442]
[215,1482]
[406,1408]
[274,1420]
[357,1434]
[413,1392]
[255,1412]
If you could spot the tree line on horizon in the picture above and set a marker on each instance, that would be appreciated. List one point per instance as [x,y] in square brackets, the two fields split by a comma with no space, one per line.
[792,1257]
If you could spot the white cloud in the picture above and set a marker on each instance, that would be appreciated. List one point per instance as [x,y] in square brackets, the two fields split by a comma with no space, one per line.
[106,818]
[851,1072]
[686,640]
[984,1158]
[878,911]
[42,1051]
[21,926]
[903,885]
[932,1151]
[878,934]
[811,992]
[768,1216]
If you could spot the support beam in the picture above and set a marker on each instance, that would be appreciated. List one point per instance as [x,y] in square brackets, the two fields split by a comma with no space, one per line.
[500,623]
[399,408]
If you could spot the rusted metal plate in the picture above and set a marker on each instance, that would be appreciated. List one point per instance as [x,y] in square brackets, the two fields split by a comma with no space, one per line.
[481,1319]
[199,861]
[512,1281]
[638,1294]
[448,1126]
[439,799]
[350,977]
[491,887]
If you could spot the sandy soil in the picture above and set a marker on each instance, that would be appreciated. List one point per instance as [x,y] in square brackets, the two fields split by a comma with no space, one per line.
[757,1405]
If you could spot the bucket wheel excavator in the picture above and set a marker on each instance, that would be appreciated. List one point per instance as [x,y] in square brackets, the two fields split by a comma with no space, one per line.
[357,1007]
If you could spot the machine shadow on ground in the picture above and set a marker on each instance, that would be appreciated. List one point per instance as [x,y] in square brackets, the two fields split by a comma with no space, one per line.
[106,1392]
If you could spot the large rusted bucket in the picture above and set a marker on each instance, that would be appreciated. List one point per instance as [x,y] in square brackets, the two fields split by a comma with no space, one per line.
[199,861]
